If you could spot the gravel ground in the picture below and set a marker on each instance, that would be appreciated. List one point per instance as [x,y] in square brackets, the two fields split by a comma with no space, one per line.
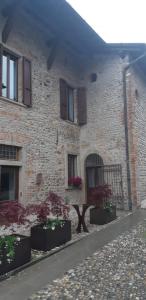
[116,272]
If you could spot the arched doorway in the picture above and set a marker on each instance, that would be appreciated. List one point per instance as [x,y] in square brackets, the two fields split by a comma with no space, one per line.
[94,173]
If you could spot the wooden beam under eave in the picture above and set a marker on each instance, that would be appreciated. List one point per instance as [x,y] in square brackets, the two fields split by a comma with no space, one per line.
[11,14]
[6,11]
[52,54]
[55,32]
[7,29]
[51,42]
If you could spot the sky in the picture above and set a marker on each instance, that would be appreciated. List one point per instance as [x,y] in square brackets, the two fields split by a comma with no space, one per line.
[121,21]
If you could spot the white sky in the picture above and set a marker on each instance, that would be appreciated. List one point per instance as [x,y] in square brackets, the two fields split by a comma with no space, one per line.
[115,20]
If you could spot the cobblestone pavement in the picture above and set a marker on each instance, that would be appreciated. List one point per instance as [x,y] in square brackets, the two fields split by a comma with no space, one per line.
[116,272]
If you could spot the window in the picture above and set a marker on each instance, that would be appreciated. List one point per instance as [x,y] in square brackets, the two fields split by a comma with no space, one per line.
[9,174]
[9,76]
[66,101]
[8,183]
[70,93]
[9,66]
[72,166]
[8,152]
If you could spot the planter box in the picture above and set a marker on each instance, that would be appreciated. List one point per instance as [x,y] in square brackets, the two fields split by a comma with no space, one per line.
[101,216]
[47,239]
[22,255]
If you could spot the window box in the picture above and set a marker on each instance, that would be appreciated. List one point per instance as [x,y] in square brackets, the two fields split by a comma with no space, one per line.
[47,239]
[73,188]
[100,216]
[75,182]
[22,254]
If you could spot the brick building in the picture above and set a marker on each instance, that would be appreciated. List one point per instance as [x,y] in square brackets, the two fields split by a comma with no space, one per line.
[69,104]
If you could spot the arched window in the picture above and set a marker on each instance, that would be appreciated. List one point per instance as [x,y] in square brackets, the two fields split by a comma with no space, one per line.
[94,160]
[94,172]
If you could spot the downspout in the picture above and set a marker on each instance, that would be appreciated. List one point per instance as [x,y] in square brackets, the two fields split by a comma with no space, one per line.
[126,126]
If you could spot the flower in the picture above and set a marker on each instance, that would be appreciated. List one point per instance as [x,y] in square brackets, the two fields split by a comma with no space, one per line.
[75,181]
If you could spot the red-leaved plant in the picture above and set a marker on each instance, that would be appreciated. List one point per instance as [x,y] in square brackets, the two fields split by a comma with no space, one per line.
[100,195]
[53,204]
[57,206]
[75,181]
[42,211]
[12,212]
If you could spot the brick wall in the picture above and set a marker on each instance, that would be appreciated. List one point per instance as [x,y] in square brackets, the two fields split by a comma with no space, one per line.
[44,138]
[138,138]
[104,132]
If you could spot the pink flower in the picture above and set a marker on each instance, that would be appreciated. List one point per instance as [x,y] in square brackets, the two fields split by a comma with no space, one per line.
[75,181]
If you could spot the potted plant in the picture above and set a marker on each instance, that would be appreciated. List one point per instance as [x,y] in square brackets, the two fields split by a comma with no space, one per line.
[104,211]
[75,182]
[51,231]
[15,249]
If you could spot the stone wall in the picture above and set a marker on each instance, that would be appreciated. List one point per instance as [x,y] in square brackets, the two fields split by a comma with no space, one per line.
[138,138]
[45,139]
[104,133]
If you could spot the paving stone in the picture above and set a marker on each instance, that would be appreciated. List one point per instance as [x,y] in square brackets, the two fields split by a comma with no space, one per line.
[117,272]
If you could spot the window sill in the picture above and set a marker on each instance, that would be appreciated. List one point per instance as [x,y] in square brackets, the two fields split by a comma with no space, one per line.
[12,102]
[7,201]
[10,163]
[71,123]
[73,189]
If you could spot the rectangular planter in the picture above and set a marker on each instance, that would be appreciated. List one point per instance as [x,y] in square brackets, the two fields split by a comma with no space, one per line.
[47,239]
[101,216]
[22,255]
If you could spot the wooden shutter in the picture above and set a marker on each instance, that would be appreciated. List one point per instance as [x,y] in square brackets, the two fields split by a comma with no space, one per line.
[82,106]
[1,56]
[27,94]
[63,99]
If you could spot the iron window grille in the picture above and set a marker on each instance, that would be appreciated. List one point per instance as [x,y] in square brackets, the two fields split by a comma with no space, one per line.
[72,165]
[9,152]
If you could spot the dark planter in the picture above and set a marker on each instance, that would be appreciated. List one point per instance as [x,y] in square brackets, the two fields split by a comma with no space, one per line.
[47,239]
[22,255]
[101,216]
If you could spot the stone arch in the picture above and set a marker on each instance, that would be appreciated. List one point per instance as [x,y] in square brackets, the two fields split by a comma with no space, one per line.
[94,160]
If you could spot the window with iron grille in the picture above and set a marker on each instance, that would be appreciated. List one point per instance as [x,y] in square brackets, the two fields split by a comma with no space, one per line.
[72,166]
[9,174]
[8,152]
[9,183]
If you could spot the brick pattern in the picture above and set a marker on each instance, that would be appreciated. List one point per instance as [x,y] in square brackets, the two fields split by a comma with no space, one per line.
[45,139]
[138,144]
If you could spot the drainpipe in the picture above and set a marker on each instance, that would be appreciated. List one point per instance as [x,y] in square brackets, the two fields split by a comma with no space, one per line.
[126,125]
